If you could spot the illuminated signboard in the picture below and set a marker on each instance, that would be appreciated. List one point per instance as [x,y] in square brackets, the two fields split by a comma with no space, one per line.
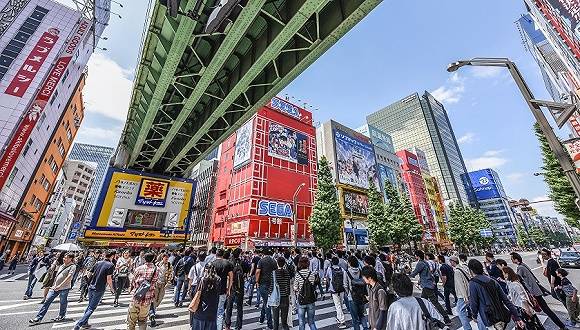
[274,209]
[483,185]
[285,107]
[152,193]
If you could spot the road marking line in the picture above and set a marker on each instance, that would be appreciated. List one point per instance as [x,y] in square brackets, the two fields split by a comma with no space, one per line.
[15,277]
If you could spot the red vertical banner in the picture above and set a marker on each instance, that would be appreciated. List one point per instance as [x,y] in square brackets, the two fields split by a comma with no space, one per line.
[34,110]
[33,63]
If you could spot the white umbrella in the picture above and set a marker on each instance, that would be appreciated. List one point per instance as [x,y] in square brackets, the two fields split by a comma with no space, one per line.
[67,247]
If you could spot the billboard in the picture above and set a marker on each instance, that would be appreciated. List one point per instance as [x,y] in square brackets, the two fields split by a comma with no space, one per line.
[355,203]
[243,151]
[355,161]
[484,185]
[563,15]
[137,205]
[569,12]
[287,144]
[381,139]
[573,147]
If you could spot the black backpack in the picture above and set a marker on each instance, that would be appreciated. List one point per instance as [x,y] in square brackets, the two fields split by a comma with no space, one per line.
[495,310]
[180,267]
[358,289]
[238,284]
[307,294]
[337,279]
[431,323]
[291,268]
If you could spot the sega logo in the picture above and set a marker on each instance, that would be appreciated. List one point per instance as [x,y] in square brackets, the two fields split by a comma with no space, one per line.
[285,107]
[274,209]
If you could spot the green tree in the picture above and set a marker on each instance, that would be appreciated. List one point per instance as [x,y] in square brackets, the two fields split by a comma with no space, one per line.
[400,220]
[325,221]
[465,224]
[539,236]
[379,228]
[561,192]
[522,237]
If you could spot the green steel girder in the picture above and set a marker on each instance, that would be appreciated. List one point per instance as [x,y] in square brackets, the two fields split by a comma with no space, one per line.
[237,31]
[181,40]
[187,102]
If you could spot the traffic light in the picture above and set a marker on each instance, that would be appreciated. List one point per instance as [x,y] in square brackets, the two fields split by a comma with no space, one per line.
[172,6]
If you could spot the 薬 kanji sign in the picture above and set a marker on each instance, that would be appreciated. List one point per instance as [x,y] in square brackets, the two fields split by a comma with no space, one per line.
[152,193]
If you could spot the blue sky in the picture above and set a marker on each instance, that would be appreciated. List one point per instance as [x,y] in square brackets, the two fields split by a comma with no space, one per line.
[400,48]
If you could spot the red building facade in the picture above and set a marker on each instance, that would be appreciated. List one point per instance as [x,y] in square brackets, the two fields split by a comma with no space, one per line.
[417,192]
[261,166]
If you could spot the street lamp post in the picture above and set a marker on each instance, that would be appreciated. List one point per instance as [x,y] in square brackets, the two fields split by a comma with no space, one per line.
[561,112]
[295,214]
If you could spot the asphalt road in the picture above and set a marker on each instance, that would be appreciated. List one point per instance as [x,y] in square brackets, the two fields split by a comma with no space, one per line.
[15,313]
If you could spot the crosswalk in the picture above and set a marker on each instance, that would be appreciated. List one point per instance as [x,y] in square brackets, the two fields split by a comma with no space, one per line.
[13,277]
[108,317]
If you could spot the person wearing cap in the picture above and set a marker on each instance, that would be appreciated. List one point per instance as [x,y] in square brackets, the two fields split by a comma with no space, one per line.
[461,279]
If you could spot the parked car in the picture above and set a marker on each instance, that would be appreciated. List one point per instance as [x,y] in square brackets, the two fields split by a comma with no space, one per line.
[569,259]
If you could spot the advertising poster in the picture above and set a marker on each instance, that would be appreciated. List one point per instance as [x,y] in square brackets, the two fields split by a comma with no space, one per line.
[381,139]
[134,205]
[573,147]
[285,143]
[386,174]
[355,203]
[243,144]
[355,161]
[569,11]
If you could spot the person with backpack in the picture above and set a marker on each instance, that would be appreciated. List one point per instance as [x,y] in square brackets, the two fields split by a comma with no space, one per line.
[253,267]
[306,295]
[571,293]
[236,294]
[204,305]
[550,273]
[518,295]
[487,301]
[379,299]
[196,272]
[225,270]
[280,286]
[410,312]
[291,267]
[264,270]
[461,279]
[60,288]
[532,284]
[448,281]
[121,275]
[427,282]
[337,284]
[315,267]
[85,273]
[145,279]
[182,268]
[357,292]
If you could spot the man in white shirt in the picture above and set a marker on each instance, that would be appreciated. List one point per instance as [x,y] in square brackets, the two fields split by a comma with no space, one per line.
[196,272]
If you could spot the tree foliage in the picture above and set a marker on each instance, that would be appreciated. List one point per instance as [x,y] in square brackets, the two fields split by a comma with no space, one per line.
[325,221]
[465,224]
[376,221]
[522,237]
[561,192]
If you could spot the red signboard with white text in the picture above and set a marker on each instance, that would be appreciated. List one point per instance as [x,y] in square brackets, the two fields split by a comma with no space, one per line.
[36,107]
[33,63]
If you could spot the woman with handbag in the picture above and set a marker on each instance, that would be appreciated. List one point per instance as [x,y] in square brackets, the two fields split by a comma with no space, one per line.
[204,305]
[121,275]
[523,301]
[280,287]
[51,275]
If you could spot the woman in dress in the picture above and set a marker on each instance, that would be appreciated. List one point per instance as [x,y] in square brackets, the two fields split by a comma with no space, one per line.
[204,315]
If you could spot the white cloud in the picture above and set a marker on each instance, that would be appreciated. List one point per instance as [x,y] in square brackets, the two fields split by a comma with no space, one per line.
[489,159]
[515,176]
[466,138]
[108,88]
[545,208]
[99,136]
[452,91]
[486,71]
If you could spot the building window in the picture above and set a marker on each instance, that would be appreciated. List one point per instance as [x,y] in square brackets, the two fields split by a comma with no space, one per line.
[53,97]
[27,147]
[12,176]
[40,121]
[61,150]
[68,134]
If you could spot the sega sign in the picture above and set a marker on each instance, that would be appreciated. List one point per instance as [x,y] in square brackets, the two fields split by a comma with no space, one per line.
[285,107]
[274,209]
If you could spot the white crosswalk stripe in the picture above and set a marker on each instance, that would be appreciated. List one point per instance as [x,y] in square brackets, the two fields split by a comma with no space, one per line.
[107,317]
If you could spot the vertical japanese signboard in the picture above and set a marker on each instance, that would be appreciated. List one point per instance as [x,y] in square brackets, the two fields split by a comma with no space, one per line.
[36,107]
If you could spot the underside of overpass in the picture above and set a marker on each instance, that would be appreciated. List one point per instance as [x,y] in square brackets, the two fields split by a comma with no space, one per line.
[195,87]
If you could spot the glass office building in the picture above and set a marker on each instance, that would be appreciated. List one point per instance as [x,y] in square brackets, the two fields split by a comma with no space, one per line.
[97,154]
[421,121]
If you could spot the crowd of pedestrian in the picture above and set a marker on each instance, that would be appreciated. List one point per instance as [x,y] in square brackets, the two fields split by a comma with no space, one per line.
[376,289]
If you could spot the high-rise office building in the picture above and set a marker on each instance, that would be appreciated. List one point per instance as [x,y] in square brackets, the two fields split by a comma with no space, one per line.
[44,49]
[493,201]
[96,154]
[205,174]
[421,121]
